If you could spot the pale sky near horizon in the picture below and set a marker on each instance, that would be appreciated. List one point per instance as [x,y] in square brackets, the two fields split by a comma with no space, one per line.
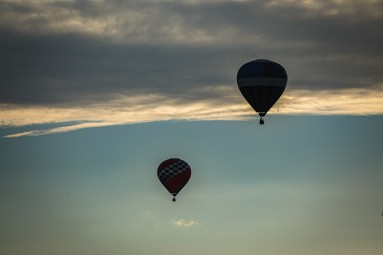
[95,94]
[296,186]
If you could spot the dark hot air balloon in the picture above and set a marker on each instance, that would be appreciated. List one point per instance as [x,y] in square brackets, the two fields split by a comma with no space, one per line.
[174,173]
[261,83]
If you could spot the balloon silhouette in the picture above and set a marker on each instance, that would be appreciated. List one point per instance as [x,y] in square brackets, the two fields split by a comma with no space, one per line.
[174,173]
[261,83]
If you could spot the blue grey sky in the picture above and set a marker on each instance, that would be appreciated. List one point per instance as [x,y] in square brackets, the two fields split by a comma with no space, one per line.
[95,94]
[297,185]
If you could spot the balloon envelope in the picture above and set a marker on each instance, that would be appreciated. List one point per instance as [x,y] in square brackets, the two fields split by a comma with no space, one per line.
[174,173]
[261,83]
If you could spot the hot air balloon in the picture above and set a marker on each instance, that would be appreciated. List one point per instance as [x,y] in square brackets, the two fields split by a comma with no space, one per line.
[174,173]
[261,83]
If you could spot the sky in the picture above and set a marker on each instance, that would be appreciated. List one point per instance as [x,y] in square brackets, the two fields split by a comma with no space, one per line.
[95,94]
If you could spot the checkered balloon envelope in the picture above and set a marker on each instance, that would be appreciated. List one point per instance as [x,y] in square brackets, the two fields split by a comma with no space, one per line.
[174,173]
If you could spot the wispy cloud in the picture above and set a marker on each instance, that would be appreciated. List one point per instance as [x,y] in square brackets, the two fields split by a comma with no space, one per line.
[334,7]
[182,223]
[151,219]
[60,129]
[125,110]
[355,101]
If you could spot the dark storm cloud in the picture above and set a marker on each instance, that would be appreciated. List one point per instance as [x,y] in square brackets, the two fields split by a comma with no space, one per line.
[84,52]
[46,70]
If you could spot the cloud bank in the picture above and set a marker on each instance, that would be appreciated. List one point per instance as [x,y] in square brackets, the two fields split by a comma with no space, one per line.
[347,102]
[116,62]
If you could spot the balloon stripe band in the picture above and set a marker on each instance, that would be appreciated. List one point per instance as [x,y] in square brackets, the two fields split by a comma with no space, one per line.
[261,81]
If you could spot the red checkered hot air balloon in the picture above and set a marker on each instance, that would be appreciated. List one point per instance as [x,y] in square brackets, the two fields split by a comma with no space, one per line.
[174,173]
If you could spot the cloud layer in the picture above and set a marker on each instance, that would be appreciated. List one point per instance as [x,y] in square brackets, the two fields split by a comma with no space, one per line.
[69,60]
[121,112]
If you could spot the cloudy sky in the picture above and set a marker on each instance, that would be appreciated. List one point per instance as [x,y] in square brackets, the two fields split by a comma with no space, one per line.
[96,63]
[95,94]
